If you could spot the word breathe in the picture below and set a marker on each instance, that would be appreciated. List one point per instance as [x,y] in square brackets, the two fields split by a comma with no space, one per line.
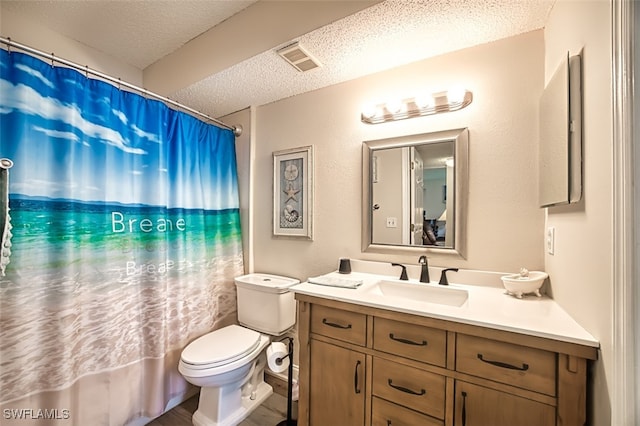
[120,225]
[36,414]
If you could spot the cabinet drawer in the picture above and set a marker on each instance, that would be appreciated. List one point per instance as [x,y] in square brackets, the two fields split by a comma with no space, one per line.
[412,388]
[388,414]
[339,324]
[410,341]
[516,365]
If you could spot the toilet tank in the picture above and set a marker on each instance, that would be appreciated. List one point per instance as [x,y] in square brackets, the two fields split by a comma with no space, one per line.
[265,303]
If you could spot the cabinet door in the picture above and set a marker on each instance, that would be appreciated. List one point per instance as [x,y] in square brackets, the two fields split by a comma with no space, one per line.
[337,385]
[480,406]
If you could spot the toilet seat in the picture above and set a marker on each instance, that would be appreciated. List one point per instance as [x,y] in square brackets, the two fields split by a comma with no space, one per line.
[220,347]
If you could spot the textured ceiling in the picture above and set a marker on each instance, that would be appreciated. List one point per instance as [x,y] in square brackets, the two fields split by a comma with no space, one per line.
[383,36]
[137,32]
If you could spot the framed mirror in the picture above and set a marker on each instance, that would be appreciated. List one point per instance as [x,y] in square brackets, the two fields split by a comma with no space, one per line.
[415,193]
[560,144]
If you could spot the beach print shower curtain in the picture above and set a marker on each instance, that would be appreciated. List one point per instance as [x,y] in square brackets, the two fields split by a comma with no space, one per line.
[120,241]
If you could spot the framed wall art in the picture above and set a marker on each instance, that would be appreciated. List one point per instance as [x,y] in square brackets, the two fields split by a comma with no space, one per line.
[293,192]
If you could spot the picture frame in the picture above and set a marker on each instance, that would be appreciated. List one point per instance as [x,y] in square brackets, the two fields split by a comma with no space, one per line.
[293,192]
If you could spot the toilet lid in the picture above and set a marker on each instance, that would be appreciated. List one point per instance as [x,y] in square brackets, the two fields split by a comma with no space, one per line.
[221,346]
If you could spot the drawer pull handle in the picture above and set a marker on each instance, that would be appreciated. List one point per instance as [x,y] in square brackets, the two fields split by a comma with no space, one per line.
[388,422]
[464,409]
[407,341]
[336,325]
[356,386]
[524,367]
[406,390]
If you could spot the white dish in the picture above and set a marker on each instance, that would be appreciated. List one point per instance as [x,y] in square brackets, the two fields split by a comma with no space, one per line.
[517,285]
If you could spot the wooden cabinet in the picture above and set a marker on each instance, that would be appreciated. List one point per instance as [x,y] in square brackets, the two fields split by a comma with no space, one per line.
[337,396]
[415,389]
[367,366]
[516,365]
[483,406]
[388,414]
[524,367]
[411,341]
[349,327]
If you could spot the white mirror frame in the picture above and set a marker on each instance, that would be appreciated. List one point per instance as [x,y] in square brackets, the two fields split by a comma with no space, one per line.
[460,137]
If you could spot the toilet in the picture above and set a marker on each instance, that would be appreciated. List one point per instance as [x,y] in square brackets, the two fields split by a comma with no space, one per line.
[228,364]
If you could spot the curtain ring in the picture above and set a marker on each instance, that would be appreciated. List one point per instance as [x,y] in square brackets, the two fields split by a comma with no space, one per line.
[9,45]
[86,70]
[52,58]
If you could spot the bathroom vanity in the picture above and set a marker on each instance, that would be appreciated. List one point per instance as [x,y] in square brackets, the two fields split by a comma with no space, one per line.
[489,359]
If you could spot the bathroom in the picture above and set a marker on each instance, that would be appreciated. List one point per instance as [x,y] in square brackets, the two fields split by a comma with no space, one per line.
[505,226]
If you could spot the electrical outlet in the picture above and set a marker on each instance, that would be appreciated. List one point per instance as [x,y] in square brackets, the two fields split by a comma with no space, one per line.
[392,222]
[551,239]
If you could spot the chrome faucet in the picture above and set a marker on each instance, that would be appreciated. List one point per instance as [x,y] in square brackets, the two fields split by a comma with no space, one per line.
[403,275]
[424,273]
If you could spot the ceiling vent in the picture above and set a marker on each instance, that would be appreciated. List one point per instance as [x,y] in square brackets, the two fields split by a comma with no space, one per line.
[298,57]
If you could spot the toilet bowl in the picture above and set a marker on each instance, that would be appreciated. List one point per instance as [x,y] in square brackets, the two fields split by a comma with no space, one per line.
[228,364]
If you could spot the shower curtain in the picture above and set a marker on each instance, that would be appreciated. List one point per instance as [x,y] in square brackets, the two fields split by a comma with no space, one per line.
[121,238]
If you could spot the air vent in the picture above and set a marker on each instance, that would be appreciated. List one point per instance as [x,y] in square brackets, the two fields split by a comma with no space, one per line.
[298,57]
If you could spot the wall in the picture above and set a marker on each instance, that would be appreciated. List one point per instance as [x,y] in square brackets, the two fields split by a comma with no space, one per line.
[504,223]
[581,267]
[434,180]
[244,157]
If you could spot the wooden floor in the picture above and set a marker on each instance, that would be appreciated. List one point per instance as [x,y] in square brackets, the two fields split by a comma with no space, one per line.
[270,413]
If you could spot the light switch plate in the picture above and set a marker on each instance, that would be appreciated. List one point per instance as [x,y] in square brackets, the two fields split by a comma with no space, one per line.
[551,239]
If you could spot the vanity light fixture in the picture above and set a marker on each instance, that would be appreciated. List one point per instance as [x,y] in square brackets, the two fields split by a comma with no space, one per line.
[418,106]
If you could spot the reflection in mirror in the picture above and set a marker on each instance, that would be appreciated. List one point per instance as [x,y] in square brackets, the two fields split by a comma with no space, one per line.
[412,192]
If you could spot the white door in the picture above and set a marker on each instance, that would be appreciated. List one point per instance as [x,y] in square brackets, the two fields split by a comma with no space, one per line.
[417,196]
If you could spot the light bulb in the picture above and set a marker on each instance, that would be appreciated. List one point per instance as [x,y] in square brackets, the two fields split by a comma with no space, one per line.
[456,95]
[396,106]
[369,110]
[424,101]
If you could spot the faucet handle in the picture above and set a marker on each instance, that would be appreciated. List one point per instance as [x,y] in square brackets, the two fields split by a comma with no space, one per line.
[443,276]
[424,273]
[403,275]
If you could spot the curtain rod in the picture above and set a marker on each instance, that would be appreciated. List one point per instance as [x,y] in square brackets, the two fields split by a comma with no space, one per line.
[237,130]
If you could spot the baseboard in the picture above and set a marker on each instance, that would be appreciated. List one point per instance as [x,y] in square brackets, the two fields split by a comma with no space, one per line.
[278,381]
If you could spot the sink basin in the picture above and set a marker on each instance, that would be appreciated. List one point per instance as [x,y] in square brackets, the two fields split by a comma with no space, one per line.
[419,293]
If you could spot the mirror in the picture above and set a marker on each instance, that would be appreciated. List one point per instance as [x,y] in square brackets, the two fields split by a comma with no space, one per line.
[414,192]
[560,147]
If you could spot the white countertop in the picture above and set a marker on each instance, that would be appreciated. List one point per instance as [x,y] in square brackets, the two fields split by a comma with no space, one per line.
[486,306]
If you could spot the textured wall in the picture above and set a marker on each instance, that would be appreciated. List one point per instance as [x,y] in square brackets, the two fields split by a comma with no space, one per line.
[504,223]
[581,267]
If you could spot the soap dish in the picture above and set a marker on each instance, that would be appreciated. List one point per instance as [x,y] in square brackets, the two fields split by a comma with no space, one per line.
[518,285]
